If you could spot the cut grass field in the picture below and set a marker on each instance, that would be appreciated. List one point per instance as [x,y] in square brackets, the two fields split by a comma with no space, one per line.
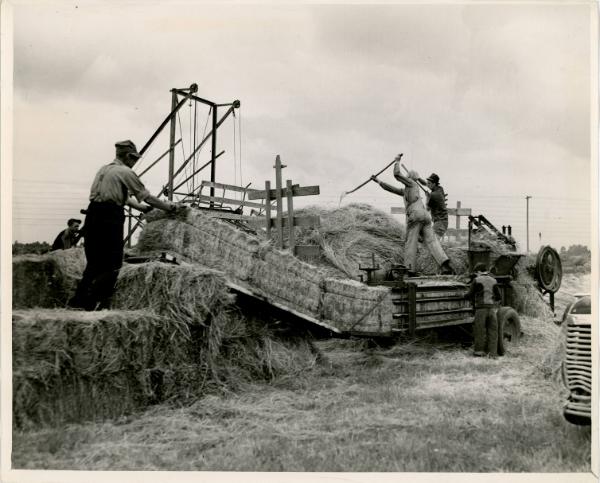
[420,406]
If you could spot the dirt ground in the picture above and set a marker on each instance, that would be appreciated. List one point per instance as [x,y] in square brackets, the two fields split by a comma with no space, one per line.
[423,405]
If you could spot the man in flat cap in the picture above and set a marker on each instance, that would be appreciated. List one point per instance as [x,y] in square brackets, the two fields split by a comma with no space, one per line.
[114,186]
[69,237]
[418,221]
[436,204]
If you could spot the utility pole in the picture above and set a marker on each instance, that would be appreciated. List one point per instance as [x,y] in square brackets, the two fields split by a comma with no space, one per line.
[527,200]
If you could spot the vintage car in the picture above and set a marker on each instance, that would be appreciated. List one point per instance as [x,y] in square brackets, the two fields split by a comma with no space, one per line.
[577,364]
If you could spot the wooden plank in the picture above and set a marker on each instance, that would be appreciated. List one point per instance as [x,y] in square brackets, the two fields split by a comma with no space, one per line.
[230,187]
[400,210]
[290,215]
[459,211]
[296,191]
[230,215]
[278,197]
[213,199]
[253,293]
[268,208]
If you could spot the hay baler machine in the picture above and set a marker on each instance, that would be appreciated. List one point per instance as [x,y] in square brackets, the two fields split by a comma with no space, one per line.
[427,302]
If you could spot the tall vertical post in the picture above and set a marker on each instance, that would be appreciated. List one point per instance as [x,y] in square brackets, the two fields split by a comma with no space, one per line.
[470,227]
[458,237]
[527,221]
[268,208]
[172,146]
[213,155]
[290,210]
[278,222]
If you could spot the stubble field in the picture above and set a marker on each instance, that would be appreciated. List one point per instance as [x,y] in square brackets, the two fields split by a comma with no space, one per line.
[423,405]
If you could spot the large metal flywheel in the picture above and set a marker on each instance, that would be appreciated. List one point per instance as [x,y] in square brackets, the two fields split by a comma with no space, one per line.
[548,269]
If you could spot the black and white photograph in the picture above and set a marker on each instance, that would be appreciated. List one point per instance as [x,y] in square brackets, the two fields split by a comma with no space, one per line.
[263,241]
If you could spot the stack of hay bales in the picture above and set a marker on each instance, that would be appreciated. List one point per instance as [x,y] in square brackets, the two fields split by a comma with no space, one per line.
[273,273]
[175,334]
[47,280]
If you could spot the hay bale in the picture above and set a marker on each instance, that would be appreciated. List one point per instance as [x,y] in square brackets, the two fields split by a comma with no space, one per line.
[70,366]
[220,246]
[47,280]
[357,307]
[188,293]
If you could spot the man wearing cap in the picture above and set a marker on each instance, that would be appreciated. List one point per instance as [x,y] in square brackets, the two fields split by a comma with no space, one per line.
[436,204]
[112,189]
[486,296]
[69,237]
[418,222]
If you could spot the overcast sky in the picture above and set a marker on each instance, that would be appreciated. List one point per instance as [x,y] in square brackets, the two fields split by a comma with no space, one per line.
[495,98]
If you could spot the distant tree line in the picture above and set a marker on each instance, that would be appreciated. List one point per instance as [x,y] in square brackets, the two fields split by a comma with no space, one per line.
[576,258]
[34,247]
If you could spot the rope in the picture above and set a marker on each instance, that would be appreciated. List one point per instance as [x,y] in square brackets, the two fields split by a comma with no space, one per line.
[191,139]
[195,135]
[234,154]
[182,142]
[181,135]
[240,150]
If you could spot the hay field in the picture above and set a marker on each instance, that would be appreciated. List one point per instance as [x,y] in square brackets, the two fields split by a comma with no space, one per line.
[423,405]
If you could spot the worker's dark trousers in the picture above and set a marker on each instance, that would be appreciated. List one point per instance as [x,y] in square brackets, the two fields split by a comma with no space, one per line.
[104,254]
[485,330]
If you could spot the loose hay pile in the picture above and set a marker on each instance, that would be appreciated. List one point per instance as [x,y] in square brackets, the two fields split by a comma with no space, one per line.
[353,234]
[47,280]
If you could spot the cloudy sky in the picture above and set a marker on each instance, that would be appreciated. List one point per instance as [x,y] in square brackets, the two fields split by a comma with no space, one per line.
[495,98]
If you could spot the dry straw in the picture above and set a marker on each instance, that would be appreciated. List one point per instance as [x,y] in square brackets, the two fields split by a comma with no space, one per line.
[47,280]
[189,340]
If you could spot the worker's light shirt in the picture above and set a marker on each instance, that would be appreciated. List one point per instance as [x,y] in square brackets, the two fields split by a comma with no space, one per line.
[114,182]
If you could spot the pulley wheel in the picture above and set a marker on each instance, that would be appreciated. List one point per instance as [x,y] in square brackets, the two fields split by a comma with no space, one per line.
[548,269]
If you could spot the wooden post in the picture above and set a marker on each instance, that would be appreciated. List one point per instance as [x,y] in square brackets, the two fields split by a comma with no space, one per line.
[290,209]
[268,208]
[278,222]
[172,146]
[457,221]
[213,154]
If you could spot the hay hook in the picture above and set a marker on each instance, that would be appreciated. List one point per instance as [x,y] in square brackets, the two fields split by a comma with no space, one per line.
[396,159]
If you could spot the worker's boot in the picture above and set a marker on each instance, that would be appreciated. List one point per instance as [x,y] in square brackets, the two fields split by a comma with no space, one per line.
[446,269]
